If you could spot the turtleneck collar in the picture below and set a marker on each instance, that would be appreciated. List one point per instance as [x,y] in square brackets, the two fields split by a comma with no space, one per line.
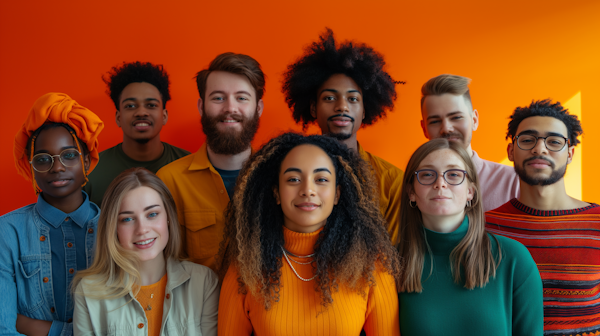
[444,243]
[300,243]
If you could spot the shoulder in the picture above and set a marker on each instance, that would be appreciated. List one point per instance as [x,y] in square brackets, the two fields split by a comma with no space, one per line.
[109,152]
[18,213]
[179,152]
[513,253]
[199,272]
[176,167]
[382,166]
[498,167]
[504,208]
[18,219]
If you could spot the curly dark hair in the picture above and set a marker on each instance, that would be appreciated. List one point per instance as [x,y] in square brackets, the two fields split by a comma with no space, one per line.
[323,59]
[352,244]
[137,72]
[545,108]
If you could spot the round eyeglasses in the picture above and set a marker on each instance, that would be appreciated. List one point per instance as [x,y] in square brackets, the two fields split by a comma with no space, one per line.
[554,143]
[451,176]
[43,162]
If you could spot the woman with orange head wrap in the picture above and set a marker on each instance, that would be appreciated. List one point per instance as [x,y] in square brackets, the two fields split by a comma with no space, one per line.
[43,244]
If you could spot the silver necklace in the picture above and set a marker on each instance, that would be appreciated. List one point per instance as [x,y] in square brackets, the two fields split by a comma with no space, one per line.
[292,267]
[302,257]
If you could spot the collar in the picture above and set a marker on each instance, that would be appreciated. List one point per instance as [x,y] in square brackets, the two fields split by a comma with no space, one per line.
[444,243]
[477,161]
[548,213]
[201,161]
[176,274]
[300,243]
[56,217]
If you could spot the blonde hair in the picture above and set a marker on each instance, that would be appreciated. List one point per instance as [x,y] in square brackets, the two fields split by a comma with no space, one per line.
[446,83]
[114,272]
[474,252]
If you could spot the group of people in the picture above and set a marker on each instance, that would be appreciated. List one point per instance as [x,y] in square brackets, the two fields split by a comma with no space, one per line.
[308,235]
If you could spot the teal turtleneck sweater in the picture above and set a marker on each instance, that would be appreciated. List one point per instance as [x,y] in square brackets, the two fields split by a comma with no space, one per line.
[510,304]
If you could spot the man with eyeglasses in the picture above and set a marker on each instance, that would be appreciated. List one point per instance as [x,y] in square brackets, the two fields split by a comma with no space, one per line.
[562,233]
[448,112]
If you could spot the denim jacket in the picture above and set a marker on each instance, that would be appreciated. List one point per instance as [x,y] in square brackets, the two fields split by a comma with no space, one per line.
[26,268]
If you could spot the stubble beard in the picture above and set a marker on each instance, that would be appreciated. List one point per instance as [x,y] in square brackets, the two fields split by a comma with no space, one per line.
[555,176]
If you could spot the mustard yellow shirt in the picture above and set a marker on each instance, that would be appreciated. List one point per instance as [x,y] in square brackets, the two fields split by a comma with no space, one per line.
[389,184]
[201,199]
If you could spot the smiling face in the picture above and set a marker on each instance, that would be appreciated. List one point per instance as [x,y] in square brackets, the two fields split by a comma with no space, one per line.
[441,201]
[539,166]
[307,188]
[141,115]
[449,116]
[339,108]
[230,112]
[142,224]
[61,186]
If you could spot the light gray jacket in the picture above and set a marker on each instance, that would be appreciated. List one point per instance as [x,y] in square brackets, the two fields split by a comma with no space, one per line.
[190,306]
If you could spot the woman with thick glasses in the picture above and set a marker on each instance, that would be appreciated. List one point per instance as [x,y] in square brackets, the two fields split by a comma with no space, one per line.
[457,278]
[43,245]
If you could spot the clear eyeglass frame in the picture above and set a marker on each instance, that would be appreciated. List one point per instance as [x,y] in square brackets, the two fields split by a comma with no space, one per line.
[524,146]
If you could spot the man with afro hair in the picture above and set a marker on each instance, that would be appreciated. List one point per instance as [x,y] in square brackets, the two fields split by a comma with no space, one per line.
[561,232]
[140,92]
[341,88]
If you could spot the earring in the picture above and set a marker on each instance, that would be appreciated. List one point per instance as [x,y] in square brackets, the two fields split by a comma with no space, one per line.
[468,203]
[410,203]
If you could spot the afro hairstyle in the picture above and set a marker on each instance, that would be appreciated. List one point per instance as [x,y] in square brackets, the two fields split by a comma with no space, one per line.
[136,72]
[323,59]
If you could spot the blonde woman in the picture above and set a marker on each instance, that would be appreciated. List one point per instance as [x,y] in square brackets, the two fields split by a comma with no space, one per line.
[138,283]
[457,278]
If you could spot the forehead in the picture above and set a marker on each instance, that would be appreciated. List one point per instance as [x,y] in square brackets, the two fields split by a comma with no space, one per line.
[140,91]
[444,104]
[542,125]
[341,83]
[228,82]
[442,159]
[53,140]
[140,198]
[307,158]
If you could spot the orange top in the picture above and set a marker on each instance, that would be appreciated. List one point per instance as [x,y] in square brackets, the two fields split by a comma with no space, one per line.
[299,310]
[151,298]
[389,185]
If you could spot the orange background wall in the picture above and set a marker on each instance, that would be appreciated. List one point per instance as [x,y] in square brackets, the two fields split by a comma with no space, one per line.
[514,51]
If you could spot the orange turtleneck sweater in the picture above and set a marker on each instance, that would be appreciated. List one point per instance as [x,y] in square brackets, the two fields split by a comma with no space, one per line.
[297,312]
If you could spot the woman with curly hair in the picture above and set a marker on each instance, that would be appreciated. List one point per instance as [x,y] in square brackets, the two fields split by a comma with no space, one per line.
[305,250]
[458,279]
[341,89]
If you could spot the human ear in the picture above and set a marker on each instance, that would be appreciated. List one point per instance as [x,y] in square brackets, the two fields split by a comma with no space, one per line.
[337,195]
[276,195]
[165,116]
[313,109]
[86,163]
[424,127]
[570,153]
[475,116]
[510,151]
[118,118]
[260,107]
[200,107]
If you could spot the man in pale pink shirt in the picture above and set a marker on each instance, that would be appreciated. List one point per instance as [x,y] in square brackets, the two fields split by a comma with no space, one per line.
[448,113]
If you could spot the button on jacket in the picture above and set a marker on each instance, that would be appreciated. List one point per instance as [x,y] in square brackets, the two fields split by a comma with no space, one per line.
[190,306]
[41,248]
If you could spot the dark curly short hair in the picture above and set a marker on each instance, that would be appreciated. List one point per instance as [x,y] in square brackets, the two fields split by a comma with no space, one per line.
[545,108]
[137,72]
[323,59]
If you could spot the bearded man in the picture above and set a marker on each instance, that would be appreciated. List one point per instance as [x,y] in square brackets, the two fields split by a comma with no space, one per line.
[202,183]
[562,233]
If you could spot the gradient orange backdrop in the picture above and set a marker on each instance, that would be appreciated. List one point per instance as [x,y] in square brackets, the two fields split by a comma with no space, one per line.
[514,51]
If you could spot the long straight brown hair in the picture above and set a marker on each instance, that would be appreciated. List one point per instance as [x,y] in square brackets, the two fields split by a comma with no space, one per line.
[474,252]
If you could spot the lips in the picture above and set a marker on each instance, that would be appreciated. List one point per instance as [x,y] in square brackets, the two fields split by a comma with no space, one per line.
[307,206]
[144,244]
[341,120]
[142,125]
[59,182]
[538,163]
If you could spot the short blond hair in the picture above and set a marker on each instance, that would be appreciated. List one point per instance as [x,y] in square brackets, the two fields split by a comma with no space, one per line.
[447,83]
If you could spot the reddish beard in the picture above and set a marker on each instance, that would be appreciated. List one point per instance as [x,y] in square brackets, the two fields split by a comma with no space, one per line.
[229,142]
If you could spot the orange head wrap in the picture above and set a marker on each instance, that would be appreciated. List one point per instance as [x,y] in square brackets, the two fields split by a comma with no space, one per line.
[57,108]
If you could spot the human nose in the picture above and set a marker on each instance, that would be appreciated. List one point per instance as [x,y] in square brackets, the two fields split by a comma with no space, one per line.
[142,111]
[57,165]
[447,127]
[440,182]
[231,106]
[307,189]
[141,227]
[341,105]
[540,146]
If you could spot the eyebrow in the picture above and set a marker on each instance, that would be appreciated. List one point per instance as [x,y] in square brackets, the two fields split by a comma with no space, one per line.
[453,166]
[447,115]
[237,92]
[145,209]
[534,132]
[336,91]
[318,170]
[135,99]
[40,151]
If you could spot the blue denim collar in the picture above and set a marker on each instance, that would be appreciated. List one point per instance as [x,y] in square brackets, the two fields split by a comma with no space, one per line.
[56,217]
